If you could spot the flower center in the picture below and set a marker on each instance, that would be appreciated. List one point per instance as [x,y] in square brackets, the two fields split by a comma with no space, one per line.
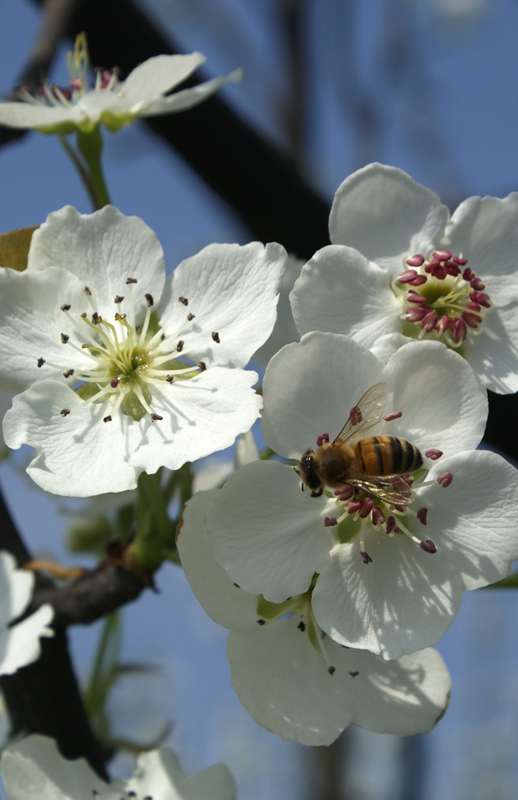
[77,64]
[359,512]
[129,364]
[440,300]
[301,609]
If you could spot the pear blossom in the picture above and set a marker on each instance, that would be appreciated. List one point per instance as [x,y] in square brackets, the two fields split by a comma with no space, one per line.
[290,677]
[111,102]
[122,370]
[20,643]
[388,560]
[33,767]
[399,264]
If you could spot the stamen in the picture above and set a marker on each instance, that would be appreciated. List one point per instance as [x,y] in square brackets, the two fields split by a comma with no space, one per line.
[433,454]
[330,522]
[40,362]
[393,415]
[65,412]
[322,439]
[445,479]
[428,546]
[184,301]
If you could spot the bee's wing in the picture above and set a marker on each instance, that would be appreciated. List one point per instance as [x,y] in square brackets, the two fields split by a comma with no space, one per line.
[389,488]
[367,413]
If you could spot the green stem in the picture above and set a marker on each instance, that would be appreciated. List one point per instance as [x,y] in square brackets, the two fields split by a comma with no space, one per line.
[150,486]
[105,664]
[83,172]
[90,146]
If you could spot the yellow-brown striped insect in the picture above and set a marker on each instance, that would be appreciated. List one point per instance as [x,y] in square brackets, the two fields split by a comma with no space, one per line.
[372,464]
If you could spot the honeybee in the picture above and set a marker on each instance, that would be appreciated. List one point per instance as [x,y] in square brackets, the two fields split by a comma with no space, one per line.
[373,464]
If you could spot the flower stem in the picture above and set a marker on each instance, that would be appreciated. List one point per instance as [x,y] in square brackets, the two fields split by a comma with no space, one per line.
[83,172]
[90,146]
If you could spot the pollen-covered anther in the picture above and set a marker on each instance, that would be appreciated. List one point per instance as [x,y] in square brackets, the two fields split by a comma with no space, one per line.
[215,337]
[415,261]
[331,670]
[179,346]
[65,412]
[156,417]
[114,383]
[183,300]
[301,626]
[65,307]
[322,439]
[330,522]
[433,454]
[393,415]
[87,291]
[445,479]
[130,280]
[345,493]
[202,366]
[40,362]
[422,515]
[391,526]
[149,300]
[118,299]
[354,505]
[169,378]
[68,373]
[107,419]
[64,338]
[96,318]
[428,546]
[190,317]
[377,516]
[366,508]
[366,557]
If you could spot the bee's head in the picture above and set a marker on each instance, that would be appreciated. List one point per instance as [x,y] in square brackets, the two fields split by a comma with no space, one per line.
[308,473]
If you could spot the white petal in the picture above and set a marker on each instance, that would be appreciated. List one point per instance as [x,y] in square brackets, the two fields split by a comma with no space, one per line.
[223,601]
[34,768]
[201,416]
[80,455]
[403,601]
[285,685]
[26,115]
[158,75]
[267,534]
[103,249]
[233,291]
[386,215]
[474,519]
[310,387]
[20,645]
[187,98]
[77,455]
[32,322]
[158,775]
[341,292]
[485,231]
[15,588]
[444,405]
[494,354]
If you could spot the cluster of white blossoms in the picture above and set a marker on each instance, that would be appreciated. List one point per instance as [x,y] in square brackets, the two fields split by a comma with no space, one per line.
[334,594]
[33,768]
[110,102]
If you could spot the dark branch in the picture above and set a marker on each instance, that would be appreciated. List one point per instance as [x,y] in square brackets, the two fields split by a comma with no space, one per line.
[91,597]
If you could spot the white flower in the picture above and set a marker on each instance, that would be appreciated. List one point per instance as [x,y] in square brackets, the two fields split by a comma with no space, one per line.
[292,679]
[33,768]
[391,568]
[110,102]
[19,645]
[125,370]
[398,263]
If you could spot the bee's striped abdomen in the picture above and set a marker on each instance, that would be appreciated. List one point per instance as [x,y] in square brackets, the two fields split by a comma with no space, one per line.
[387,455]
